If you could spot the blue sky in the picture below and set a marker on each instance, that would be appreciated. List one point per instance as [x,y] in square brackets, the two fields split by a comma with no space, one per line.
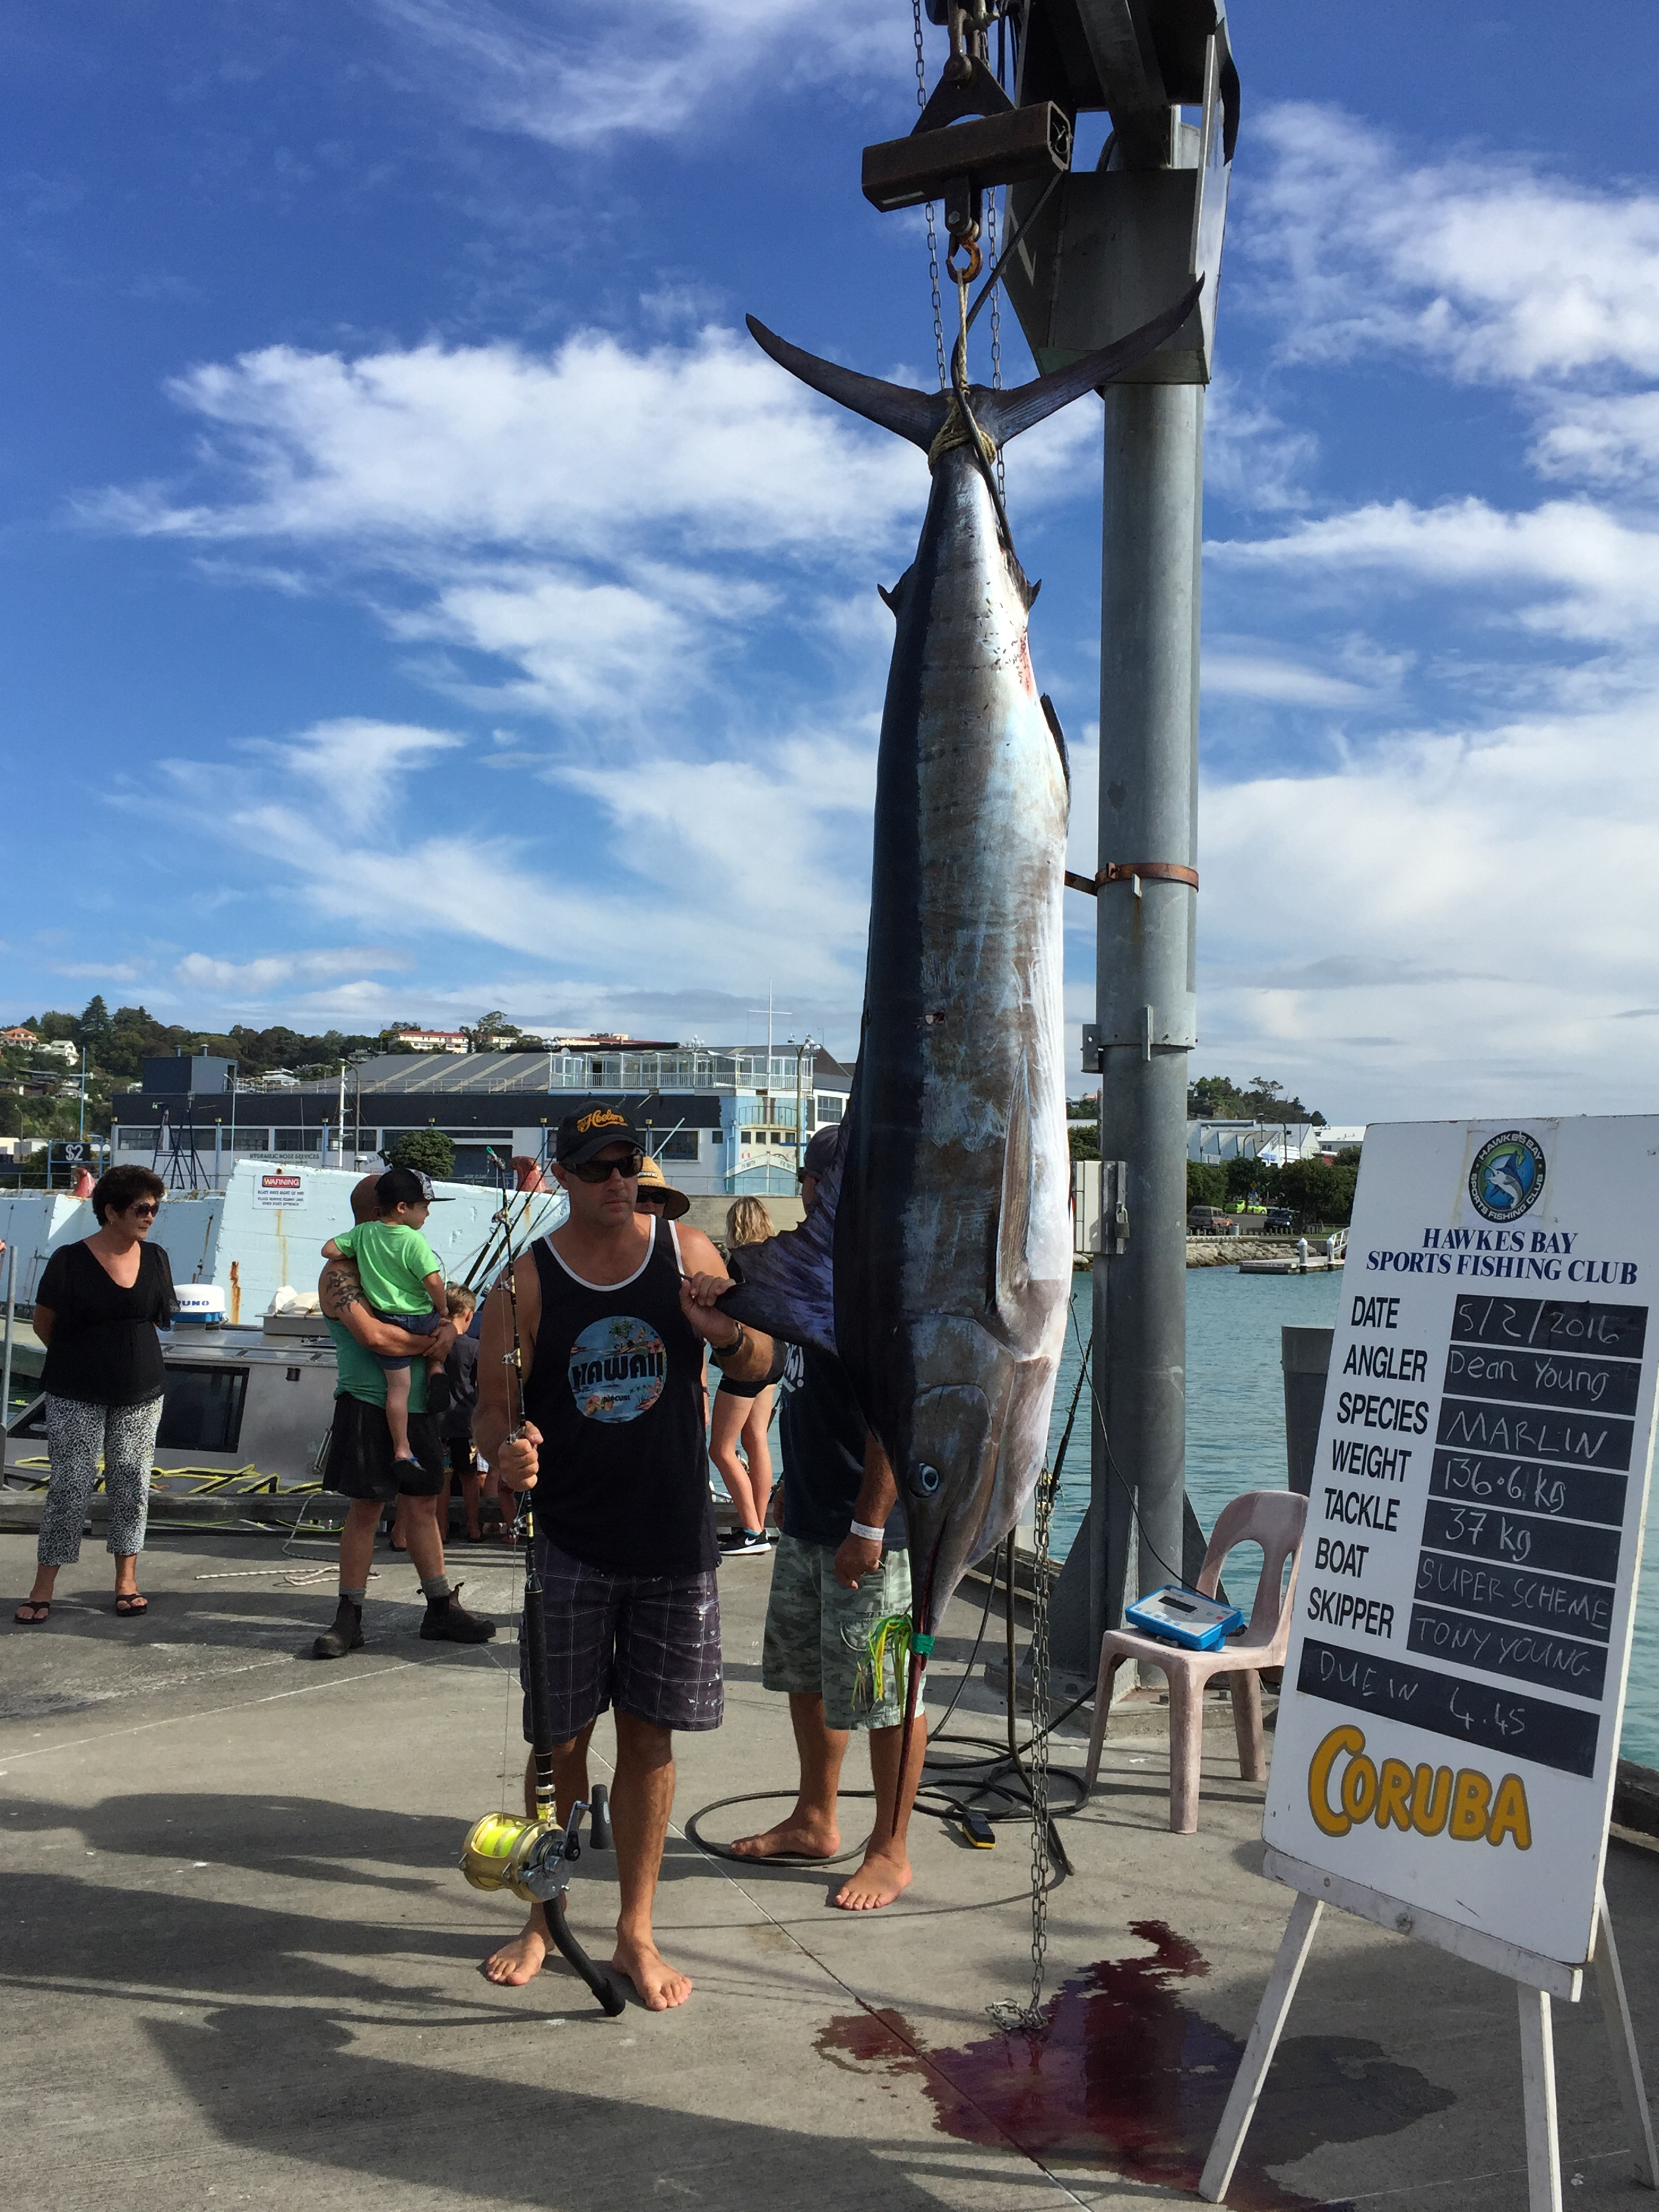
[421,596]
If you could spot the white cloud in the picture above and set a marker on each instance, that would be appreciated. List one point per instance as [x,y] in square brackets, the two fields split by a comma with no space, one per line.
[1275,678]
[1488,265]
[354,763]
[585,453]
[272,973]
[1605,440]
[641,68]
[1482,908]
[1568,566]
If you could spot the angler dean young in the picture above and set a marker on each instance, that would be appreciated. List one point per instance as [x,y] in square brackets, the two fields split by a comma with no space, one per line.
[596,1358]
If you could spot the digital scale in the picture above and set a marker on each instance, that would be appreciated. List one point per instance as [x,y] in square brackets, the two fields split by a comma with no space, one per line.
[1175,1615]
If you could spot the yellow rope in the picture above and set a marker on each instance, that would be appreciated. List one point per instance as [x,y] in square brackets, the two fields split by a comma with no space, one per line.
[956,432]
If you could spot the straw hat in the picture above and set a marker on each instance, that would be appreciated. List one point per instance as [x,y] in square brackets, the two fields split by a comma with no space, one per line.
[652,1179]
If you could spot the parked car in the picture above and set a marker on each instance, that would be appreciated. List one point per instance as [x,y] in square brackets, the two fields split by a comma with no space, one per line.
[1278,1220]
[1211,1221]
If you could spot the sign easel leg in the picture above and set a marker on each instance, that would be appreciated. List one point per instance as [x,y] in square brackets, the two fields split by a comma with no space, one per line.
[1621,2042]
[1294,1947]
[1538,2082]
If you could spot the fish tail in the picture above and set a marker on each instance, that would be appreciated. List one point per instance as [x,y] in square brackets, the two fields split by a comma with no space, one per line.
[1004,414]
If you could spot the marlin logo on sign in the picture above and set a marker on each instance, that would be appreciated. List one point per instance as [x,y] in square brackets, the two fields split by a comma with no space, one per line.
[1508,1175]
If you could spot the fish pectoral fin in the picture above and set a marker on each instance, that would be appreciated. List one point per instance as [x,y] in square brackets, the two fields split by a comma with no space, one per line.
[1059,736]
[1013,1265]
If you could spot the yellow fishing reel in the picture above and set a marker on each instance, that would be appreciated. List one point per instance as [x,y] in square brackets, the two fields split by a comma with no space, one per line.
[496,1849]
[532,1858]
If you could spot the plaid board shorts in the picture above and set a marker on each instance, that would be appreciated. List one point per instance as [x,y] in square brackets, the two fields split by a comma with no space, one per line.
[818,1633]
[649,1645]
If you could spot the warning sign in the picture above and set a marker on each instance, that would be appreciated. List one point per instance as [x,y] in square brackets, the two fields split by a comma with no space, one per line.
[284,1187]
[1450,1722]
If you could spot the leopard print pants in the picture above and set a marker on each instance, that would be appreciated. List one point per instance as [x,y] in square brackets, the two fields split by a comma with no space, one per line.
[77,1436]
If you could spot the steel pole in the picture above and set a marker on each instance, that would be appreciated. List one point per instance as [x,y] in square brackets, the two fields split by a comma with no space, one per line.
[1146,1004]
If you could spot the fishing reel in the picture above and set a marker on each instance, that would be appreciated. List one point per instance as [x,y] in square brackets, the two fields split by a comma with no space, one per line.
[532,1858]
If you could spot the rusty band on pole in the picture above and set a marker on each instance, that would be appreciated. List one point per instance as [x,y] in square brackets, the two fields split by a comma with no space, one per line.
[1123,872]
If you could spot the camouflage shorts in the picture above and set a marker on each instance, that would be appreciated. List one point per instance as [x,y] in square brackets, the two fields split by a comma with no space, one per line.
[818,1634]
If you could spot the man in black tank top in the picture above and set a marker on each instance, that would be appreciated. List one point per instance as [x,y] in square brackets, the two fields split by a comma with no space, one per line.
[614,1309]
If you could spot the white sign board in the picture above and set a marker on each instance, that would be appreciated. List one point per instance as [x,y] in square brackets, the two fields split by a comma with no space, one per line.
[283,1186]
[1450,1722]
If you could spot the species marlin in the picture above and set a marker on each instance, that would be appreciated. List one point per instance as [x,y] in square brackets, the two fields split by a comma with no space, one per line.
[939,1263]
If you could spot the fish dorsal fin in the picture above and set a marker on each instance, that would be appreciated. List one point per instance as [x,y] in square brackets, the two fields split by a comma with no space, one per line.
[894,600]
[785,1285]
[1004,414]
[917,415]
[1013,1262]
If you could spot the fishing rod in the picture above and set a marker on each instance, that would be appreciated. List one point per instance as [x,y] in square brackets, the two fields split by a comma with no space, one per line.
[534,1857]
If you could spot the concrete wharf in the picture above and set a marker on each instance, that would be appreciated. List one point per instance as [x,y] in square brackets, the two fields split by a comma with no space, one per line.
[241,1967]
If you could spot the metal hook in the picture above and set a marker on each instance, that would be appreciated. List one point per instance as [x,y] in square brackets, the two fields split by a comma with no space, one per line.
[970,268]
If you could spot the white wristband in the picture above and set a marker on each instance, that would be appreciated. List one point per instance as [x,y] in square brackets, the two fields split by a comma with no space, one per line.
[870,1535]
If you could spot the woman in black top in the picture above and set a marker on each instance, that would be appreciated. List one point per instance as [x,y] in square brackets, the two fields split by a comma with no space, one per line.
[96,1310]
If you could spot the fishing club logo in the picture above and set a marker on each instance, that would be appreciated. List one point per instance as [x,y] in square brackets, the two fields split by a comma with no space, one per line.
[1508,1175]
[617,1369]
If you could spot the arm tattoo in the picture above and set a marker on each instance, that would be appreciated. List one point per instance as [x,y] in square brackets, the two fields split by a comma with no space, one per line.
[340,1289]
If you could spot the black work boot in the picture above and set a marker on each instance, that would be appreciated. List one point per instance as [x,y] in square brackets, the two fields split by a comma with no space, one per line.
[448,1621]
[345,1634]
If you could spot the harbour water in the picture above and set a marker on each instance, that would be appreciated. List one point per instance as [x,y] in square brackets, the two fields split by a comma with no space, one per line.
[1236,1436]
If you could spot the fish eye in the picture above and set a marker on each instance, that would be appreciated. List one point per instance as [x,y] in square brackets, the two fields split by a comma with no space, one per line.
[924,1479]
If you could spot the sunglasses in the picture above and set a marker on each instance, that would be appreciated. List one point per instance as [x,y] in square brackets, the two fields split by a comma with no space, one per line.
[146,1209]
[602,1170]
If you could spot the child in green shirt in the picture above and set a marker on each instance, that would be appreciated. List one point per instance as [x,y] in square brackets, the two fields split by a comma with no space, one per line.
[403,1282]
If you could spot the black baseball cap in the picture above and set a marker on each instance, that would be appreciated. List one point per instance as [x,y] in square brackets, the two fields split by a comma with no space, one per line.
[590,1129]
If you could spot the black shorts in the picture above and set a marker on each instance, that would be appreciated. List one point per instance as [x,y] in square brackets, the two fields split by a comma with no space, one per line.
[359,1461]
[649,1645]
[459,1450]
[730,1390]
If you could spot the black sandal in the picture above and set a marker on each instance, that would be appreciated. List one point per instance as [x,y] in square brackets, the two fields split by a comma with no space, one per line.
[129,1604]
[33,1612]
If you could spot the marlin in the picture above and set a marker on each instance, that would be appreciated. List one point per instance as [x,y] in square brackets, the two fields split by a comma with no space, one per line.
[938,1264]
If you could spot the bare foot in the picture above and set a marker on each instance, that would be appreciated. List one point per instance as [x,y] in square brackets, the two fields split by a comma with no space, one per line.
[797,1837]
[518,1961]
[878,1881]
[661,1985]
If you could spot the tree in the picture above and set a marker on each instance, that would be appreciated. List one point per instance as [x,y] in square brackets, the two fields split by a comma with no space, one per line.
[1207,1184]
[92,1028]
[1320,1196]
[1218,1098]
[1086,1109]
[1085,1142]
[429,1151]
[1250,1180]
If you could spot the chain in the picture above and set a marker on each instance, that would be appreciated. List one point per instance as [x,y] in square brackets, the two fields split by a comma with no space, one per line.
[1038,1757]
[932,233]
[1007,2014]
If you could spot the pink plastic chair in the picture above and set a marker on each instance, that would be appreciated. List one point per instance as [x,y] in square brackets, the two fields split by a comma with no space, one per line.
[1275,1519]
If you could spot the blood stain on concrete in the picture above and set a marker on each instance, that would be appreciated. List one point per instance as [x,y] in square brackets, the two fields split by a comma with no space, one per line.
[1124,2076]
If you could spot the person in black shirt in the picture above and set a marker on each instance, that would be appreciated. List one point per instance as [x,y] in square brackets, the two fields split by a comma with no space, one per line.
[97,1308]
[614,1309]
[841,1566]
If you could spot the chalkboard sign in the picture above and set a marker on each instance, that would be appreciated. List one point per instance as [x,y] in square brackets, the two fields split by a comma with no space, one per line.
[1449,1721]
